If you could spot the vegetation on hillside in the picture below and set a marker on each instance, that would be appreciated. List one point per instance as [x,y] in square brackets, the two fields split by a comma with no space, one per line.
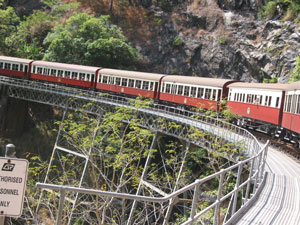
[284,9]
[63,35]
[296,73]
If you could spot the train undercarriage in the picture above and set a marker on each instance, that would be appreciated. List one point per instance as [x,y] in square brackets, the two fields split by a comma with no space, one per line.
[274,131]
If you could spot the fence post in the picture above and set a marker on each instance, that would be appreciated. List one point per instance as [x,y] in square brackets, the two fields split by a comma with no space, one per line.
[61,205]
[249,180]
[217,210]
[195,201]
[237,188]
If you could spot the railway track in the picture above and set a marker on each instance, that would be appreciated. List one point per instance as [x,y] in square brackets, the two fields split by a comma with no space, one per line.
[282,146]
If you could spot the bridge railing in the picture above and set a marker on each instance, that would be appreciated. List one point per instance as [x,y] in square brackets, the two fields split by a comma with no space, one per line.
[255,177]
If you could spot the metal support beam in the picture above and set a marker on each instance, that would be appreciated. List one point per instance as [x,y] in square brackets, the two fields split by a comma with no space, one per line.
[142,177]
[172,201]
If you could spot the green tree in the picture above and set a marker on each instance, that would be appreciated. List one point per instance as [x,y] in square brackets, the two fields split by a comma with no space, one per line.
[27,41]
[87,40]
[296,73]
[8,25]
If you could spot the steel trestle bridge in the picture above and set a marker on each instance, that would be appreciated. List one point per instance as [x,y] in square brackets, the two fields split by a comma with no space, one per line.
[244,193]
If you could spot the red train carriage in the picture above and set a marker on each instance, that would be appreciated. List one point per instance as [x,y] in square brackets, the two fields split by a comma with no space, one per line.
[291,110]
[76,75]
[15,66]
[259,103]
[130,82]
[194,91]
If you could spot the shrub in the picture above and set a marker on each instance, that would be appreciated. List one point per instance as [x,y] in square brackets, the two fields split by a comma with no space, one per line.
[269,10]
[222,39]
[296,73]
[177,41]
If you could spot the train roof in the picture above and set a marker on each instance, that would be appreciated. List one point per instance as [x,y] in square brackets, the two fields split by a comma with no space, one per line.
[65,66]
[293,86]
[14,59]
[204,81]
[269,86]
[132,74]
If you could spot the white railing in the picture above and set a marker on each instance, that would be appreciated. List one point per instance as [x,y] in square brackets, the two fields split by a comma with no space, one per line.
[255,177]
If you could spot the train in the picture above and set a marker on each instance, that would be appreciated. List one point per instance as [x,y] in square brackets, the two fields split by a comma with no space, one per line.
[269,108]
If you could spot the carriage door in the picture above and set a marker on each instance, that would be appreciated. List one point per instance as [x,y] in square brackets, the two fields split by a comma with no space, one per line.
[26,71]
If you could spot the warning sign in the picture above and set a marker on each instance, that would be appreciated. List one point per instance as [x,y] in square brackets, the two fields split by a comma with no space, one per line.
[13,176]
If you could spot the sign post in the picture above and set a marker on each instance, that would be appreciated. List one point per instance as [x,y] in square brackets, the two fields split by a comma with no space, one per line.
[13,176]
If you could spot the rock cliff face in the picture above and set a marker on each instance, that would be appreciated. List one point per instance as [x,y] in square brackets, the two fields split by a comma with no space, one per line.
[221,38]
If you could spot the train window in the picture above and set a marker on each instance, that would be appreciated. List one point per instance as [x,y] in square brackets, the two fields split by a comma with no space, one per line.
[168,88]
[260,99]
[15,67]
[7,66]
[53,72]
[74,75]
[81,76]
[118,81]
[254,99]
[187,91]
[131,83]
[39,70]
[104,79]
[111,80]
[60,73]
[229,95]
[277,102]
[298,104]
[174,89]
[124,82]
[285,104]
[214,94]
[33,69]
[138,84]
[46,71]
[152,86]
[289,103]
[266,100]
[293,108]
[244,97]
[88,77]
[249,98]
[193,91]
[180,90]
[145,85]
[21,67]
[200,92]
[1,65]
[241,97]
[67,74]
[270,100]
[235,96]
[207,93]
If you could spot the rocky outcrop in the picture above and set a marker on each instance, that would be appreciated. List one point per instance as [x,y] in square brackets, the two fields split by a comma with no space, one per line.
[25,7]
[202,38]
